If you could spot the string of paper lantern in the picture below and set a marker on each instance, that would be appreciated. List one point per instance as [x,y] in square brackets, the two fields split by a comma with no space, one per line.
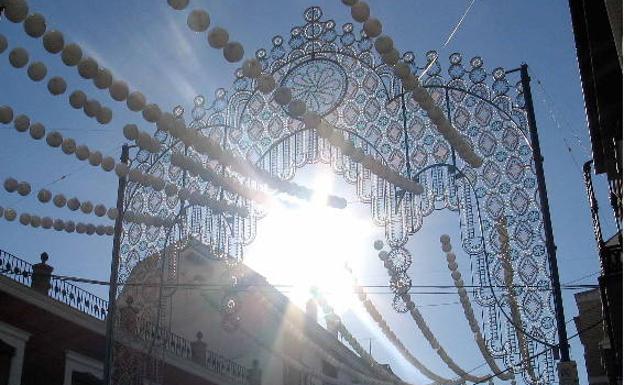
[410,306]
[209,147]
[360,12]
[194,167]
[55,139]
[374,313]
[464,299]
[349,338]
[508,274]
[36,221]
[336,138]
[37,71]
[296,331]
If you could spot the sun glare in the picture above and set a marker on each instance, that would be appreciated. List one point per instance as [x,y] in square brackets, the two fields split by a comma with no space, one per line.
[306,245]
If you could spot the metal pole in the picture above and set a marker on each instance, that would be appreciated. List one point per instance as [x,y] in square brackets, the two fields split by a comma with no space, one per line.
[543,195]
[114,275]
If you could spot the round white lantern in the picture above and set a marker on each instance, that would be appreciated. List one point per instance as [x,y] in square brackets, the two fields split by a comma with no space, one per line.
[23,188]
[384,44]
[46,222]
[58,225]
[91,107]
[372,27]
[108,164]
[152,113]
[99,210]
[24,219]
[15,10]
[59,200]
[57,85]
[71,55]
[360,11]
[218,37]
[21,122]
[37,131]
[77,99]
[53,41]
[10,215]
[178,4]
[311,119]
[82,152]
[88,68]
[265,83]
[282,96]
[112,213]
[35,221]
[81,228]
[103,79]
[54,139]
[44,196]
[252,68]
[378,244]
[391,57]
[3,43]
[86,207]
[198,20]
[18,57]
[73,204]
[68,146]
[119,90]
[95,158]
[296,108]
[37,71]
[136,101]
[6,114]
[104,115]
[233,52]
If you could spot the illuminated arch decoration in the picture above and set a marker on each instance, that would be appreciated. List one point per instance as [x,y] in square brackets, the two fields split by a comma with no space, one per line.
[338,74]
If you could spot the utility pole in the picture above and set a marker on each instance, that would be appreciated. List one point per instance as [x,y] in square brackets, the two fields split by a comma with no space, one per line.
[567,368]
[114,275]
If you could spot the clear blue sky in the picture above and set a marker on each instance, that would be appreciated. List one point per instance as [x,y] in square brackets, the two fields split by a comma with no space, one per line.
[148,45]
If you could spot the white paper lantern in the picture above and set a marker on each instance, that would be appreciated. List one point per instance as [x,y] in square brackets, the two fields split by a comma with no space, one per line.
[58,225]
[6,114]
[360,11]
[18,57]
[445,238]
[53,41]
[35,221]
[402,70]
[135,175]
[159,184]
[311,119]
[57,85]
[99,210]
[70,226]
[119,90]
[410,83]
[15,10]
[282,96]
[131,131]
[77,99]
[23,188]
[446,247]
[10,214]
[152,113]
[44,196]
[100,230]
[73,204]
[136,101]
[178,4]
[90,229]
[46,222]
[10,184]
[112,213]
[91,107]
[37,71]
[252,68]
[37,131]
[349,3]
[171,190]
[88,68]
[86,207]
[296,108]
[372,27]
[122,169]
[266,84]
[218,37]
[59,200]
[110,230]
[104,115]
[71,55]
[103,79]
[108,164]
[21,122]
[95,158]
[378,245]
[384,44]
[233,52]
[198,20]
[54,139]
[3,43]
[82,152]
[391,57]
[24,219]
[68,146]
[81,228]
[165,122]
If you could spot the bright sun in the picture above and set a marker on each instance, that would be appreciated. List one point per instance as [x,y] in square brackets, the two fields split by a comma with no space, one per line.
[306,245]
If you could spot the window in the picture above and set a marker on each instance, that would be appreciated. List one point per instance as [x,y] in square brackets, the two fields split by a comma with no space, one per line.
[329,370]
[12,342]
[82,370]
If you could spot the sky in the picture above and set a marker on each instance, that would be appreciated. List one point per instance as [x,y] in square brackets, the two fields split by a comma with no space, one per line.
[149,46]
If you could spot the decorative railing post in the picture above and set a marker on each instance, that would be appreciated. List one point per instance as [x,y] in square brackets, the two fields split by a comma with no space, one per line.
[198,350]
[41,276]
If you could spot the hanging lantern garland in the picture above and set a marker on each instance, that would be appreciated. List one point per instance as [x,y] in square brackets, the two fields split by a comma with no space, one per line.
[393,338]
[48,223]
[445,241]
[508,274]
[403,303]
[384,45]
[37,71]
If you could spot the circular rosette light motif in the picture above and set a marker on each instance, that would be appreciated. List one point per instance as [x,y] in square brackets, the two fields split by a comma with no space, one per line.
[400,283]
[320,83]
[400,260]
